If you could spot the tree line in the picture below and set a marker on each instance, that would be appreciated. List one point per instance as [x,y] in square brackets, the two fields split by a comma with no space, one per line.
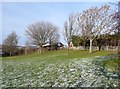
[101,42]
[91,24]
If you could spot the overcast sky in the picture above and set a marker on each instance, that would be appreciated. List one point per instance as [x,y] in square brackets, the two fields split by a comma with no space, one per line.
[17,16]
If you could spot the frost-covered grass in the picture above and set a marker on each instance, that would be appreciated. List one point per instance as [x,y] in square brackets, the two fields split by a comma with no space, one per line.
[54,68]
[40,73]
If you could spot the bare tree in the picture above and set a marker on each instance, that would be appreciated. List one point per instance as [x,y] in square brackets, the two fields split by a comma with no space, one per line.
[69,28]
[118,27]
[116,24]
[10,43]
[27,45]
[95,21]
[41,33]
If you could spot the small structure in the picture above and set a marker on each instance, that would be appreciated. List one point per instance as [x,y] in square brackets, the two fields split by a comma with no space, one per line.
[54,46]
[46,45]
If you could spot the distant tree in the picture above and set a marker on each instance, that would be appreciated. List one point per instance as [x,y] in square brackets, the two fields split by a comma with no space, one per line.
[27,45]
[83,33]
[41,33]
[95,21]
[76,40]
[116,24]
[69,29]
[10,43]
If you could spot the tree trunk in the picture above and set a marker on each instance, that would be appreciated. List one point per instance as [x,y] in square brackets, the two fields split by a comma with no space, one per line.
[68,48]
[40,50]
[90,46]
[119,28]
[99,47]
[10,53]
[25,51]
[84,45]
[118,46]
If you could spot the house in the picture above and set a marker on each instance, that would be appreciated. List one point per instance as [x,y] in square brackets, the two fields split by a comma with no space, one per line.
[46,45]
[53,46]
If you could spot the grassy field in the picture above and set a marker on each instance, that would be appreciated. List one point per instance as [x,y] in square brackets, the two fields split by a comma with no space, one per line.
[62,54]
[51,68]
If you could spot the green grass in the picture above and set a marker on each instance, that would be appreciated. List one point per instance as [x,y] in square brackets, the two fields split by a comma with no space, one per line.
[49,57]
[112,64]
[61,54]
